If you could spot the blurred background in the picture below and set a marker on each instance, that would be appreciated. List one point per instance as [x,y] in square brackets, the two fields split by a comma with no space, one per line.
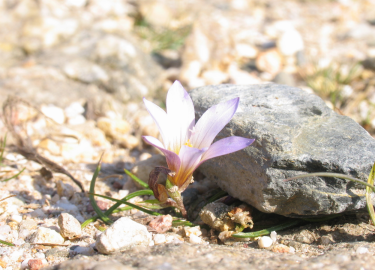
[129,49]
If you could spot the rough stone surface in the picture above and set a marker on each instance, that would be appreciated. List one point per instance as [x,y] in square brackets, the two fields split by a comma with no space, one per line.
[295,133]
[69,226]
[188,256]
[124,233]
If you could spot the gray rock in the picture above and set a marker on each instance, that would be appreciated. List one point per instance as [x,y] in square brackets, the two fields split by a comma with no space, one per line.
[124,233]
[189,196]
[295,133]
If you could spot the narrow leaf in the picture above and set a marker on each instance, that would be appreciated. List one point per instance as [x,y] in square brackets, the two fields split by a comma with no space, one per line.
[6,243]
[267,231]
[92,191]
[337,175]
[14,176]
[3,148]
[128,203]
[136,179]
[116,205]
[370,207]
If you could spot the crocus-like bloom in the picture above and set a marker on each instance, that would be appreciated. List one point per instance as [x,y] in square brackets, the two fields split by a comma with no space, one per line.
[187,144]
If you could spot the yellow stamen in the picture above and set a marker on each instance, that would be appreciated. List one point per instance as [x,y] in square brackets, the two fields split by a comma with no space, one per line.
[188,143]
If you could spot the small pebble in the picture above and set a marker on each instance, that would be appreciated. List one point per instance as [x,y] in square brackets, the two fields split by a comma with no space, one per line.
[122,234]
[192,231]
[53,112]
[265,242]
[16,218]
[174,238]
[87,251]
[159,239]
[161,224]
[280,248]
[195,239]
[74,109]
[25,263]
[326,240]
[361,250]
[273,236]
[57,252]
[38,213]
[69,226]
[39,255]
[77,120]
[46,235]
[35,264]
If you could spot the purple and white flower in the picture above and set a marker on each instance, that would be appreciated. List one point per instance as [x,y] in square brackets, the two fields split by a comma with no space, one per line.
[187,144]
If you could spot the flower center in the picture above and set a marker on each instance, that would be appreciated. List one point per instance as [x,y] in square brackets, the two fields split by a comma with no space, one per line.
[188,143]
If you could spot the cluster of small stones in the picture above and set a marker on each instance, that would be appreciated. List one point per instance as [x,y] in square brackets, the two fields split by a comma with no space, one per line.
[268,41]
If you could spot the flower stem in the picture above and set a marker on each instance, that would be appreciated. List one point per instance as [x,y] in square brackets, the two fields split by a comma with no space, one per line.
[176,196]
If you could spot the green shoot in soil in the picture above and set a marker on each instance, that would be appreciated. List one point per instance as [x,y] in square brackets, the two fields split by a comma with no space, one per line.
[267,231]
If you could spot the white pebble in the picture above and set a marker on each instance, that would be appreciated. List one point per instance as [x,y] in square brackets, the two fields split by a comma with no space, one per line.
[173,238]
[53,112]
[39,255]
[122,234]
[46,235]
[273,236]
[361,250]
[4,231]
[74,109]
[265,242]
[292,250]
[195,239]
[77,120]
[192,231]
[25,264]
[159,239]
[69,226]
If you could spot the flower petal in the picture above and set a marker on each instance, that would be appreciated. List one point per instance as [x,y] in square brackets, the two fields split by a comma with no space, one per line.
[181,116]
[212,122]
[161,119]
[173,160]
[190,158]
[226,146]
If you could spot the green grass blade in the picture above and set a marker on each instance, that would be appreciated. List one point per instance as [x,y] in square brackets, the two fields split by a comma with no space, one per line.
[3,148]
[136,179]
[126,208]
[14,176]
[267,231]
[6,243]
[337,175]
[116,205]
[179,222]
[128,203]
[369,205]
[92,191]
